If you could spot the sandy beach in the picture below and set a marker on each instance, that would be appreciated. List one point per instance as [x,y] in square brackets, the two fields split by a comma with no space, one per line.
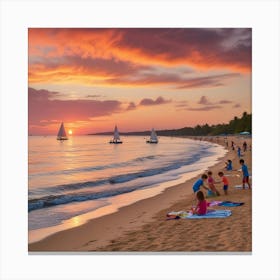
[142,226]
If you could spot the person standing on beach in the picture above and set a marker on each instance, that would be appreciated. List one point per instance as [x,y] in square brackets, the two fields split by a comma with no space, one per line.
[225,181]
[232,145]
[244,146]
[211,183]
[239,152]
[245,174]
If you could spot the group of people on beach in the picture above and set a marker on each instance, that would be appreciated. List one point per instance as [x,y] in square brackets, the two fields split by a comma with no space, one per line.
[238,148]
[201,207]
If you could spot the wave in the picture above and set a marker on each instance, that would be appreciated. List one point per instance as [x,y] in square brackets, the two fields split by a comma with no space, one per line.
[53,200]
[61,197]
[99,167]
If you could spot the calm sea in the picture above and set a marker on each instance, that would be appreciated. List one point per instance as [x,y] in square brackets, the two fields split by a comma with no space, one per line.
[85,176]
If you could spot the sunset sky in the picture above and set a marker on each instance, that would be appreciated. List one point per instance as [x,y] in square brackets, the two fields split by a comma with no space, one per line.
[137,78]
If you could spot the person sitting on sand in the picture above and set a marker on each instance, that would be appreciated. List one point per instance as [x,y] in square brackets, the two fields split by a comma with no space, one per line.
[229,165]
[225,181]
[245,174]
[201,207]
[211,185]
[200,183]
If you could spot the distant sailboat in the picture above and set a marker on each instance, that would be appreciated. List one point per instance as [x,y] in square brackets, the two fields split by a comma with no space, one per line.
[116,139]
[153,138]
[61,133]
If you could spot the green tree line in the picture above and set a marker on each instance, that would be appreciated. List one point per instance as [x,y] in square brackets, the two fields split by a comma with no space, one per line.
[236,125]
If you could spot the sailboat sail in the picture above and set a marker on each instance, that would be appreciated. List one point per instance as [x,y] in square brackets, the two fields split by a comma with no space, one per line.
[153,137]
[116,134]
[61,133]
[116,139]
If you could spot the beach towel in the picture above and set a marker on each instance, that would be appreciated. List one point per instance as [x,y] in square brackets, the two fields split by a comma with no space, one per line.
[213,203]
[211,213]
[178,214]
[224,203]
[230,203]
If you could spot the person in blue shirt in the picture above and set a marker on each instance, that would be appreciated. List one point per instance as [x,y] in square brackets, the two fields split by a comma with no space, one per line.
[245,174]
[239,152]
[200,183]
[229,165]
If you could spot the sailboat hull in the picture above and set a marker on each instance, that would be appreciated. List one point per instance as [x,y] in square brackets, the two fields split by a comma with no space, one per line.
[115,142]
[151,142]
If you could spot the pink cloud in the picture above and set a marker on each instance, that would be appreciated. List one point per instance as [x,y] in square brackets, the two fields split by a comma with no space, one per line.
[150,102]
[174,80]
[225,101]
[45,108]
[208,105]
[44,105]
[131,106]
[204,101]
[205,108]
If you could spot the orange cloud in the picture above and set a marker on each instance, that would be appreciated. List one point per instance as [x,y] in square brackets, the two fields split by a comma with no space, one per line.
[75,54]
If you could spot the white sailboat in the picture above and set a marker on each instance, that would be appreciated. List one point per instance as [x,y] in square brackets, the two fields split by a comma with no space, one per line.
[62,133]
[153,138]
[116,139]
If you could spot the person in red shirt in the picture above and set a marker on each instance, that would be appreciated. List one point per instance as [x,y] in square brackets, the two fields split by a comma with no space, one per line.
[225,182]
[201,207]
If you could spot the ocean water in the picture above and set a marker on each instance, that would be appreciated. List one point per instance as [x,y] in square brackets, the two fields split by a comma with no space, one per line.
[85,177]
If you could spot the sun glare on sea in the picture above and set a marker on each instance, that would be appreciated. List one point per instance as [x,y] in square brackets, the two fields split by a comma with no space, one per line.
[70,132]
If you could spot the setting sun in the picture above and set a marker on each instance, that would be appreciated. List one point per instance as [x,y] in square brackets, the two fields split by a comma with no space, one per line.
[70,132]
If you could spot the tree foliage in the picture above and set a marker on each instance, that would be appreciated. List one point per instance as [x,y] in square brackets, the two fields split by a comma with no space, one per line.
[236,125]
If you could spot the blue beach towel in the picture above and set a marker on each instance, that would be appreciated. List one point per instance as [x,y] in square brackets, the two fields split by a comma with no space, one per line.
[225,203]
[230,204]
[211,215]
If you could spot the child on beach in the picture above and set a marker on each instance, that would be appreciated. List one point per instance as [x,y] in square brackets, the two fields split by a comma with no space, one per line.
[211,185]
[200,183]
[225,181]
[201,207]
[239,152]
[245,174]
[229,165]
